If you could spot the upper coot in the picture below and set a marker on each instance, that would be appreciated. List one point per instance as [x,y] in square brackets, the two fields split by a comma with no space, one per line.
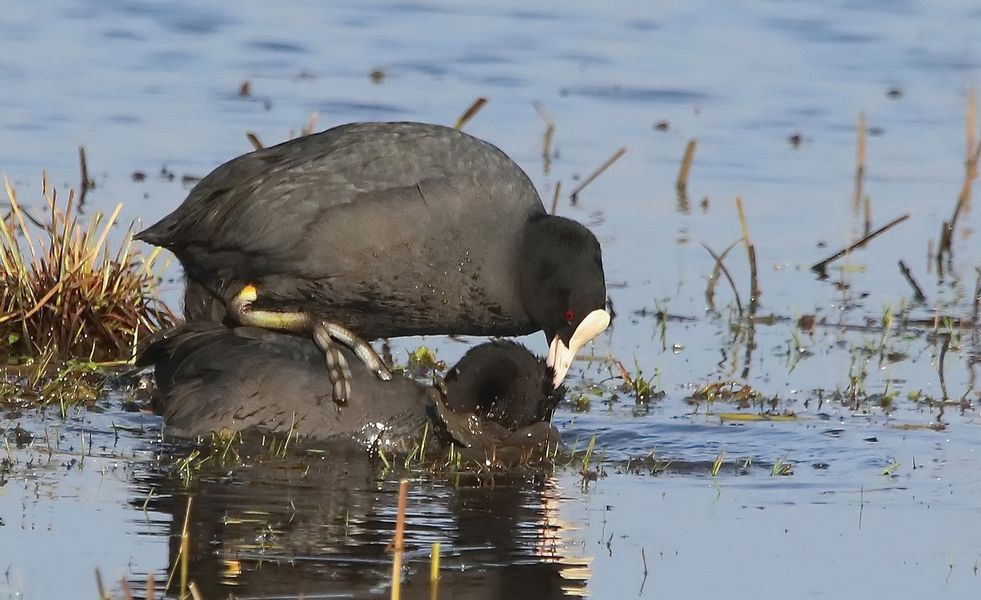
[388,229]
[212,378]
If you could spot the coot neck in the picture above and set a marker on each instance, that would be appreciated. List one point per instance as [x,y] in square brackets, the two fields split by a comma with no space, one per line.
[539,262]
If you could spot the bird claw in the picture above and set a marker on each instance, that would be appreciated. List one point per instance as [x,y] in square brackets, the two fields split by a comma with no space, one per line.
[325,334]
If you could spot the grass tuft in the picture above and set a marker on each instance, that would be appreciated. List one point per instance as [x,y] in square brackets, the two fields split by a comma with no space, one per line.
[65,293]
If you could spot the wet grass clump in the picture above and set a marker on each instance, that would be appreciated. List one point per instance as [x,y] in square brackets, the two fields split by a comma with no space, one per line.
[64,293]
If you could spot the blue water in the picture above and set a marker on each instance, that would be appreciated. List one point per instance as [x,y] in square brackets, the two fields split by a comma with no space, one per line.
[152,85]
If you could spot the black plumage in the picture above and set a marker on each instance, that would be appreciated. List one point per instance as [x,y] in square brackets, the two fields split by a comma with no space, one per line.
[212,378]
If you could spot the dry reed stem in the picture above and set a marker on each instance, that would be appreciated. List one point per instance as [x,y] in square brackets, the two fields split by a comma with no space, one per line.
[929,256]
[195,594]
[254,140]
[546,138]
[940,368]
[87,182]
[124,588]
[470,112]
[682,182]
[182,551]
[599,171]
[15,207]
[972,140]
[434,558]
[397,543]
[976,318]
[547,149]
[821,266]
[944,247]
[720,267]
[555,197]
[918,295]
[311,125]
[99,586]
[185,549]
[867,212]
[965,194]
[624,374]
[750,255]
[859,161]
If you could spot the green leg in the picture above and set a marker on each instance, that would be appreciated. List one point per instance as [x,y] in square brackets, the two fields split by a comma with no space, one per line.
[324,333]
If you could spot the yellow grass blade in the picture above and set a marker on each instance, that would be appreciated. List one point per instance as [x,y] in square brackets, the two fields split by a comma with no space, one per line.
[12,197]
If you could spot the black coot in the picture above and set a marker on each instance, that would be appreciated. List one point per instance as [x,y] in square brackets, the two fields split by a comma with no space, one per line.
[388,229]
[212,378]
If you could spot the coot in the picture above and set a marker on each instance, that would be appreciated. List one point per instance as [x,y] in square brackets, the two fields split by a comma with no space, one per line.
[380,230]
[212,378]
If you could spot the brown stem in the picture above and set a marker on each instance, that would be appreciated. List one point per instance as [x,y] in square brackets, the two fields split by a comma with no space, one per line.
[821,266]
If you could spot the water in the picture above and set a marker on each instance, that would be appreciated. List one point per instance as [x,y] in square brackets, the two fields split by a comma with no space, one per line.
[148,85]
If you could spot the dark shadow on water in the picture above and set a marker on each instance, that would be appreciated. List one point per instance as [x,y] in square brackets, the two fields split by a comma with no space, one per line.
[320,525]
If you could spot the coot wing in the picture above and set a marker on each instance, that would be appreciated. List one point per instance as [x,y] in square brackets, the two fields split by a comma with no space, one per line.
[363,222]
[269,208]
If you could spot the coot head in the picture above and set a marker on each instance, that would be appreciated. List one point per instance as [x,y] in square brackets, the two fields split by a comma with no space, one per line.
[503,382]
[563,287]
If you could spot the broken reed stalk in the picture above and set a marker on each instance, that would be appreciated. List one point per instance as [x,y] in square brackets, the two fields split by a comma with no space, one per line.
[751,256]
[574,196]
[124,588]
[624,374]
[918,295]
[971,173]
[555,197]
[182,552]
[87,182]
[720,267]
[470,112]
[859,162]
[546,138]
[976,317]
[965,193]
[972,140]
[434,558]
[940,367]
[99,586]
[682,183]
[254,140]
[547,149]
[185,549]
[397,543]
[867,211]
[311,124]
[195,593]
[821,266]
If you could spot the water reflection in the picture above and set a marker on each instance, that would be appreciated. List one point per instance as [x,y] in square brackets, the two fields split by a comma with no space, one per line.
[319,525]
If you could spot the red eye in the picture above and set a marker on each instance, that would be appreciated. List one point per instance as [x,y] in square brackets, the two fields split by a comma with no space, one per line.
[569,316]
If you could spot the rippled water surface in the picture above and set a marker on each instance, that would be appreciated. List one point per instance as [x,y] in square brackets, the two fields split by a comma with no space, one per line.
[870,490]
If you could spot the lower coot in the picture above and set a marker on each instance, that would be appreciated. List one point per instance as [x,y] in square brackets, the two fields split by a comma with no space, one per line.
[212,378]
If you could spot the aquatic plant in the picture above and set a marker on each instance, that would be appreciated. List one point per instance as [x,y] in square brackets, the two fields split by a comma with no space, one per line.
[64,293]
